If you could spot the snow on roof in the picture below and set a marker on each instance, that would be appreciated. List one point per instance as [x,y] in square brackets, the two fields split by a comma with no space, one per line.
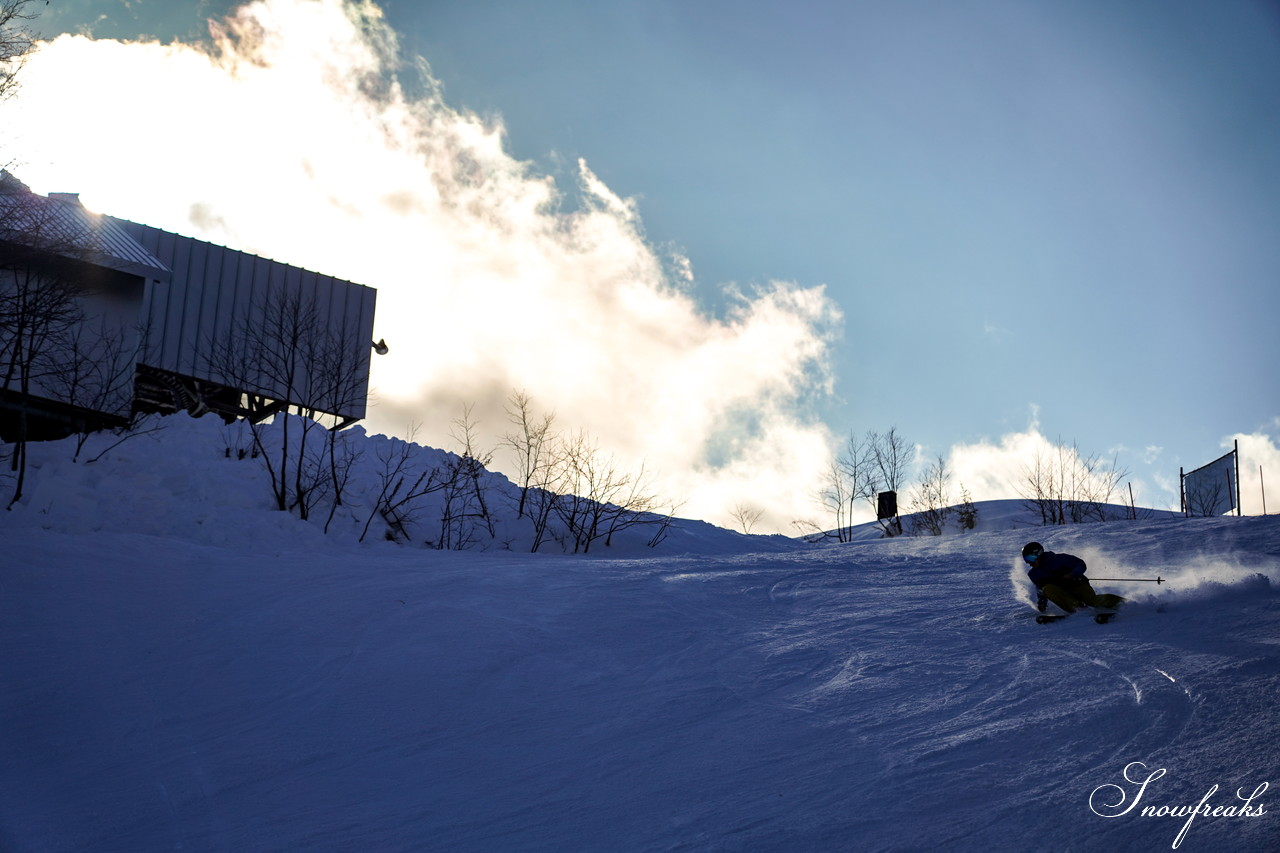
[62,225]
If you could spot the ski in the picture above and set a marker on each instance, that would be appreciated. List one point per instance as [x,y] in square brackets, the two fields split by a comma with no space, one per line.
[1102,617]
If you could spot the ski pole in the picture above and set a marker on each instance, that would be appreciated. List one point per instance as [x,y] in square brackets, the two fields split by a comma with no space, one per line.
[1156,579]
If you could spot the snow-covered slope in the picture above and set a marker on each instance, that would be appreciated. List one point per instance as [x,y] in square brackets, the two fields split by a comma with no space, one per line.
[998,515]
[219,677]
[199,479]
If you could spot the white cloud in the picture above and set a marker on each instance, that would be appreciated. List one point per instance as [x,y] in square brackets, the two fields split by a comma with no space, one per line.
[1003,470]
[290,136]
[999,334]
[1259,468]
[1000,470]
[997,471]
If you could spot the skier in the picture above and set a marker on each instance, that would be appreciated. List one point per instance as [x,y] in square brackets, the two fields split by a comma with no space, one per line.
[1060,578]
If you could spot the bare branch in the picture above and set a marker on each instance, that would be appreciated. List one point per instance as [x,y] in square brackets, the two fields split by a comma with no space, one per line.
[16,41]
[930,503]
[746,516]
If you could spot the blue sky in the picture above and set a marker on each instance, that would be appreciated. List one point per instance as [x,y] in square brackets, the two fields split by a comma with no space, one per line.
[1013,203]
[1057,216]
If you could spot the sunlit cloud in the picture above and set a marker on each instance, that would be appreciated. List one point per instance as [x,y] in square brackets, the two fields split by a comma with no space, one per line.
[299,133]
[1259,469]
[997,470]
[1004,469]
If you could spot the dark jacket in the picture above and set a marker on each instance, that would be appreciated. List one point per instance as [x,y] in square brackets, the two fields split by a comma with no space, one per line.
[1050,567]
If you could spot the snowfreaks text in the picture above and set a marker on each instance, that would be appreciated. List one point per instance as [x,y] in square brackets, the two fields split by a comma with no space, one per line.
[1100,806]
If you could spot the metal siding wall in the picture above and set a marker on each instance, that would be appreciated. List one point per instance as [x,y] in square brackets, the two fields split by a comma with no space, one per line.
[224,300]
[360,309]
[165,246]
[192,309]
[212,290]
[185,262]
[220,270]
[155,305]
[260,284]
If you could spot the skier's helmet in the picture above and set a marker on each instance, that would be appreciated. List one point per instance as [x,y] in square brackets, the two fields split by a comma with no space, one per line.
[1031,551]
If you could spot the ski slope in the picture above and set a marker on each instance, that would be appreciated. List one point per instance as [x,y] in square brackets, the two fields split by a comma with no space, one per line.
[218,677]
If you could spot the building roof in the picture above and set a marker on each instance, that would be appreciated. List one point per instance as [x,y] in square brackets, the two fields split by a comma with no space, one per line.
[61,225]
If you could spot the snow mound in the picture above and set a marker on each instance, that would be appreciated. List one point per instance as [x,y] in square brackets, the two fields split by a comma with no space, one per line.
[202,480]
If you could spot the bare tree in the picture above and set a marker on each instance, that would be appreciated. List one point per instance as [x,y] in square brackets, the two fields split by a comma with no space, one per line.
[99,372]
[282,352]
[663,524]
[1099,483]
[267,343]
[575,482]
[343,455]
[38,315]
[141,424]
[632,504]
[1065,486]
[464,513]
[531,444]
[967,511]
[892,456]
[63,334]
[746,516]
[808,529]
[340,381]
[865,467]
[930,503]
[849,480]
[596,497]
[16,41]
[402,486]
[541,504]
[1206,499]
[1040,487]
[542,498]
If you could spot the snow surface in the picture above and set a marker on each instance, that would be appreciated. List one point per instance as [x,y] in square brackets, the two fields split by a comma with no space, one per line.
[183,669]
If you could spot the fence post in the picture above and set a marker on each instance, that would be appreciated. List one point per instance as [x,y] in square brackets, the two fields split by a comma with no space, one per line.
[1239,509]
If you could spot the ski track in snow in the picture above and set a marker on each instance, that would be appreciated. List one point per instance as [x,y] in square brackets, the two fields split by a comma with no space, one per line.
[261,688]
[822,700]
